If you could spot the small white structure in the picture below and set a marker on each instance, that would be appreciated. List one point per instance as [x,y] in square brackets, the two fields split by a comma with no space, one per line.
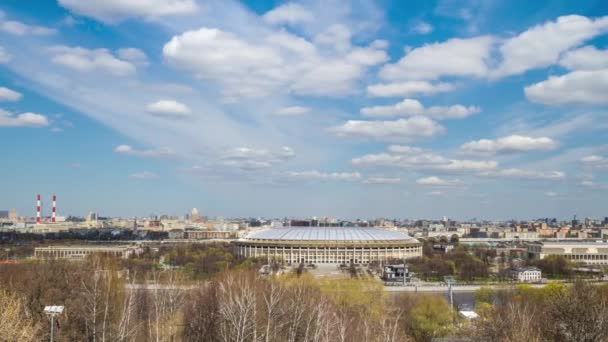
[468,314]
[527,274]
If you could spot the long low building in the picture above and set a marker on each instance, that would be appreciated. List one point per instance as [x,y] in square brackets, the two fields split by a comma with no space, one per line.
[328,245]
[81,251]
[587,252]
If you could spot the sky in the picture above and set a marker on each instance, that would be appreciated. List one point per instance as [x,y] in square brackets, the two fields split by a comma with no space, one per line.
[353,109]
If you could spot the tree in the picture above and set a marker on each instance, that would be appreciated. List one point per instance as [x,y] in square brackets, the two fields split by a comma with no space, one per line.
[16,323]
[580,314]
[431,317]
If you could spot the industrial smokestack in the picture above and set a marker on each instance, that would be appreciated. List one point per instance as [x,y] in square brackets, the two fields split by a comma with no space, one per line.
[54,209]
[38,209]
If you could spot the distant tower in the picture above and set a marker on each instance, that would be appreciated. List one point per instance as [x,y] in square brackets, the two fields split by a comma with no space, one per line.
[53,215]
[194,216]
[38,209]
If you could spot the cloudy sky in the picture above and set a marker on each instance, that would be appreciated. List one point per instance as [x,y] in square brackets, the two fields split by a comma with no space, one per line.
[407,109]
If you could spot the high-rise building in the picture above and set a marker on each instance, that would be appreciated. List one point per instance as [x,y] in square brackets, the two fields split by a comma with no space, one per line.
[194,215]
[12,215]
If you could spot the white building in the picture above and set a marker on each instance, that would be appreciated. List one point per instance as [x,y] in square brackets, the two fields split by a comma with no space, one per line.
[328,245]
[527,274]
[586,252]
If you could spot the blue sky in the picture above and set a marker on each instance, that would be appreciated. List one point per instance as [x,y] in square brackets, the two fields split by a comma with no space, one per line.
[407,109]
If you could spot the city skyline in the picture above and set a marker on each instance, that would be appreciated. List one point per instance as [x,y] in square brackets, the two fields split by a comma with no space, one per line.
[306,108]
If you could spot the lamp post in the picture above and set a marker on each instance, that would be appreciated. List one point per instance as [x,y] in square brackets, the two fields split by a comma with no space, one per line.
[53,311]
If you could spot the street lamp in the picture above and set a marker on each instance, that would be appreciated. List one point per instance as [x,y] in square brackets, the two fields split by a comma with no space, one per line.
[53,311]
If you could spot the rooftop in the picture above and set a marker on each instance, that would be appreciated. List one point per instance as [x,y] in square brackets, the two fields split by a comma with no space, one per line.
[328,234]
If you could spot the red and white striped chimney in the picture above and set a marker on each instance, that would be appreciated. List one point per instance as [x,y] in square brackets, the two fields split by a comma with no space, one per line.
[38,207]
[54,209]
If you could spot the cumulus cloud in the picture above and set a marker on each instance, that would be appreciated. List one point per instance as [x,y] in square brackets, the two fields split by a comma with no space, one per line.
[133,55]
[408,88]
[292,111]
[289,13]
[436,181]
[585,58]
[152,153]
[112,11]
[144,175]
[583,87]
[7,94]
[509,144]
[315,175]
[382,180]
[246,158]
[398,130]
[89,60]
[279,62]
[409,107]
[169,109]
[404,157]
[28,119]
[455,57]
[541,45]
[525,174]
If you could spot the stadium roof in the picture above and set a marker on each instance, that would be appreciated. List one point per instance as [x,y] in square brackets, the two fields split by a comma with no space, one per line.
[328,234]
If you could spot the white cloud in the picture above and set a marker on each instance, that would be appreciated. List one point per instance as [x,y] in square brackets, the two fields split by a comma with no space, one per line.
[112,11]
[28,119]
[585,87]
[246,158]
[408,88]
[398,130]
[414,107]
[541,45]
[595,161]
[423,28]
[133,55]
[152,153]
[315,175]
[464,165]
[9,95]
[436,181]
[87,60]
[551,194]
[5,57]
[292,111]
[279,62]
[289,13]
[20,29]
[454,57]
[509,144]
[418,159]
[382,180]
[585,58]
[525,174]
[436,193]
[144,175]
[169,109]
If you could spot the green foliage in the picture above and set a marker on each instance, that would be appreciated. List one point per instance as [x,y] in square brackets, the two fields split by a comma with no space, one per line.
[554,266]
[431,317]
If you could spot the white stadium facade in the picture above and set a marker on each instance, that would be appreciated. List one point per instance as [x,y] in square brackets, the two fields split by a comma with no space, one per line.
[328,245]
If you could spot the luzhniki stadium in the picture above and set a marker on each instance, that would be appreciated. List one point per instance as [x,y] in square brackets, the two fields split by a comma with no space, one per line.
[328,245]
